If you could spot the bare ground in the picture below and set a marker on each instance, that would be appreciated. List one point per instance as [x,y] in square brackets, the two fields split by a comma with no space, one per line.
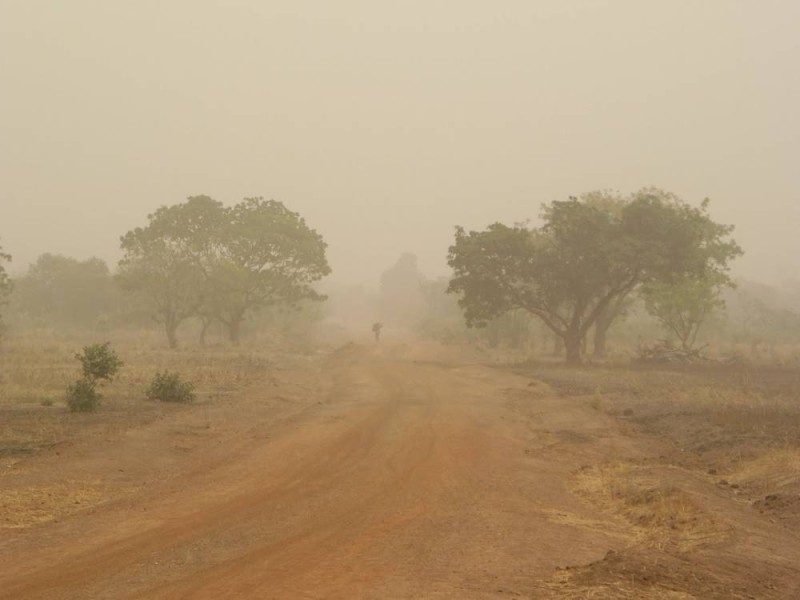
[380,474]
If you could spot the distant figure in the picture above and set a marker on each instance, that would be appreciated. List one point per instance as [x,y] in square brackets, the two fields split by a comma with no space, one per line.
[376,330]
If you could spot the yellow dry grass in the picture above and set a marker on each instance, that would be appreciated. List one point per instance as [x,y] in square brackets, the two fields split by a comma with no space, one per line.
[24,507]
[769,470]
[660,513]
[36,369]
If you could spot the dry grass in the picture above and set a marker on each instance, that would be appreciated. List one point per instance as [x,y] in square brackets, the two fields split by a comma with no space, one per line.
[721,415]
[23,507]
[35,370]
[662,514]
[723,433]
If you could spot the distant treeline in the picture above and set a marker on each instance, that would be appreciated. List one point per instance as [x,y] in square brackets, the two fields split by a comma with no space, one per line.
[601,272]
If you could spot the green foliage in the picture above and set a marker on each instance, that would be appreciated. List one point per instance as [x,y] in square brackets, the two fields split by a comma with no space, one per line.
[201,259]
[163,264]
[61,290]
[585,256]
[168,387]
[82,395]
[99,362]
[682,306]
[514,329]
[266,255]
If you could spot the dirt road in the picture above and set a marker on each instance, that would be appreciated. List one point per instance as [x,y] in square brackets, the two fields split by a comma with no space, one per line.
[375,475]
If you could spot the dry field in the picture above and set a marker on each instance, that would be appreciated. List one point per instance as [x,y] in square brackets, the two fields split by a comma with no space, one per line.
[34,373]
[397,471]
[723,438]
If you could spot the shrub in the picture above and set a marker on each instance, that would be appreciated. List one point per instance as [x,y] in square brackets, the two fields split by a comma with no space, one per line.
[168,387]
[99,361]
[82,396]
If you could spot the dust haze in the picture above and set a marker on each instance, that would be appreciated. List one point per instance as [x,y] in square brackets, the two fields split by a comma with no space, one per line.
[399,300]
[386,124]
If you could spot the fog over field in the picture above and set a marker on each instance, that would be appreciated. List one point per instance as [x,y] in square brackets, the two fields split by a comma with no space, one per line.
[385,124]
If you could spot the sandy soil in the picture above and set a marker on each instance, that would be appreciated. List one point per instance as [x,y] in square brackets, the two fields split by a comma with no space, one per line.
[379,473]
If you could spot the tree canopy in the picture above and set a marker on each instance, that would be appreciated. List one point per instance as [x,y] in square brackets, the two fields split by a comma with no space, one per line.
[264,254]
[202,259]
[161,261]
[683,306]
[64,290]
[583,257]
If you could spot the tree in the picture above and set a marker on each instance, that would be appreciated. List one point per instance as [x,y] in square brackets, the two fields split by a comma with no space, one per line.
[683,306]
[63,290]
[616,309]
[584,257]
[168,261]
[5,281]
[263,255]
[200,259]
[99,362]
[612,203]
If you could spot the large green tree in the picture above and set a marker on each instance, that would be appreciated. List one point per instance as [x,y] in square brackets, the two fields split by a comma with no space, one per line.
[167,262]
[263,255]
[583,258]
[201,259]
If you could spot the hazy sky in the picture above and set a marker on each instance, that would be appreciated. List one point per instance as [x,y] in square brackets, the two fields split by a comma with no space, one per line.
[385,123]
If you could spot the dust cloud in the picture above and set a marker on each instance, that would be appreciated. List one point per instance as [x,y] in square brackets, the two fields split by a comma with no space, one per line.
[386,124]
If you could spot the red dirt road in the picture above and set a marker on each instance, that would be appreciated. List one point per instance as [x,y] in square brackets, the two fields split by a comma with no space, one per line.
[378,477]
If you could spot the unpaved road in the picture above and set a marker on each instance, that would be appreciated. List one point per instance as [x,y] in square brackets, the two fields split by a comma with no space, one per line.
[377,476]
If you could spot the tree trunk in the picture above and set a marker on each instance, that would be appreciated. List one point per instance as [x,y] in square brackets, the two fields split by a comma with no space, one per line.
[171,329]
[558,345]
[600,336]
[234,330]
[205,324]
[686,343]
[601,327]
[573,344]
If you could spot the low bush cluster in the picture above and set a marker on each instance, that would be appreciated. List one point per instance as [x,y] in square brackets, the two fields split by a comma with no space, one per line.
[169,387]
[82,396]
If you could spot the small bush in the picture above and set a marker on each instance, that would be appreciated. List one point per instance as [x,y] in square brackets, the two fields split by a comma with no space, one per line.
[82,396]
[168,387]
[99,361]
